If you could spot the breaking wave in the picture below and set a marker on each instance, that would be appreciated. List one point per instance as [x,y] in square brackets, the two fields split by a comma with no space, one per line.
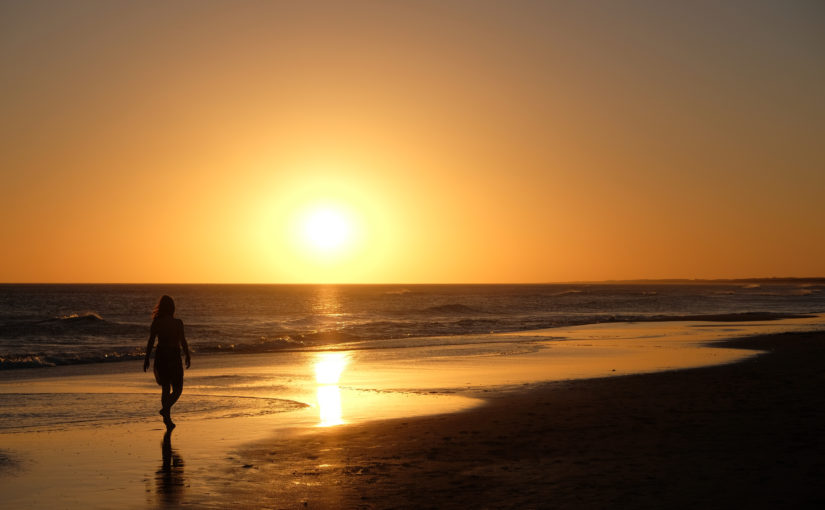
[44,326]
[449,309]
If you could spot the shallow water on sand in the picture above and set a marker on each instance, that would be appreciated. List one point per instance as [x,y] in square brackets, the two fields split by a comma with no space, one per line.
[72,437]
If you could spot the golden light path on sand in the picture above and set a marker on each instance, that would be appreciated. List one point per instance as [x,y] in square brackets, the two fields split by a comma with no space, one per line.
[328,371]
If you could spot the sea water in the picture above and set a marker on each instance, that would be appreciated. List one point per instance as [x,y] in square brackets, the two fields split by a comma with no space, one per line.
[48,325]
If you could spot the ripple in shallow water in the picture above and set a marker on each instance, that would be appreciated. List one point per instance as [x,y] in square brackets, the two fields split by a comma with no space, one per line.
[62,411]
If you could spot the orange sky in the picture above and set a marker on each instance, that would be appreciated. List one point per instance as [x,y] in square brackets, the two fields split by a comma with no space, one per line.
[469,141]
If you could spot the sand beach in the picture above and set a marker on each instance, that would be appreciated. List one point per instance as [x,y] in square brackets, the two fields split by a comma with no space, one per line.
[743,435]
[639,415]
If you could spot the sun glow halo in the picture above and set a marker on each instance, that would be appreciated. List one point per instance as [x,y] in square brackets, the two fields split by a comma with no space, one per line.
[324,231]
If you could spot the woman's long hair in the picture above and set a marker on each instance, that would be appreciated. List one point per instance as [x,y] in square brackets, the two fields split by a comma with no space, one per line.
[166,306]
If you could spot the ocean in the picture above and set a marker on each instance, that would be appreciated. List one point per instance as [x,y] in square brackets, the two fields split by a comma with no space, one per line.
[49,325]
[273,360]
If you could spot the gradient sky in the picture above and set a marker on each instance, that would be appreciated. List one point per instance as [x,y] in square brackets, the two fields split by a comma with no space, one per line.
[470,141]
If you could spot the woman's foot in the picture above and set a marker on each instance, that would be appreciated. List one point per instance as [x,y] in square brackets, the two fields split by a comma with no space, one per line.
[167,420]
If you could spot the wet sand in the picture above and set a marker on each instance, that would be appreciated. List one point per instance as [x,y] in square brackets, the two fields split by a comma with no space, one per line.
[743,435]
[462,425]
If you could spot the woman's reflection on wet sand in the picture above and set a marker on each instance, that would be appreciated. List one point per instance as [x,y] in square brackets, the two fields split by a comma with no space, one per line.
[169,479]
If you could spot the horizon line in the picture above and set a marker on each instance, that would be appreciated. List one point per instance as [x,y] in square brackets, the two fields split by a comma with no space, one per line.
[563,282]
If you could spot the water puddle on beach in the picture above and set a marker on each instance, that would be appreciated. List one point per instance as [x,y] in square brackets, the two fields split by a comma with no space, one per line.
[73,438]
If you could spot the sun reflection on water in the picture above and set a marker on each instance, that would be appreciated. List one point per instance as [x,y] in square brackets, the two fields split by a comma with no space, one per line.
[328,369]
[329,405]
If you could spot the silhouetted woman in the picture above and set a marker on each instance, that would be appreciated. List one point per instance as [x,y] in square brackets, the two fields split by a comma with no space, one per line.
[168,368]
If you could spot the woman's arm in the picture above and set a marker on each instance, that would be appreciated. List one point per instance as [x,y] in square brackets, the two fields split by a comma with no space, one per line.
[184,345]
[149,345]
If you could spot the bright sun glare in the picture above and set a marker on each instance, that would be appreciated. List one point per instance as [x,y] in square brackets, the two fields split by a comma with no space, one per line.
[328,368]
[326,229]
[319,235]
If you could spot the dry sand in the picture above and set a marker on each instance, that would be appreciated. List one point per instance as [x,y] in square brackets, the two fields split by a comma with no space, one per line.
[745,435]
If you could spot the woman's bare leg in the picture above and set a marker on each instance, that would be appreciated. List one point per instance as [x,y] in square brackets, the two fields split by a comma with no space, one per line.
[177,389]
[165,396]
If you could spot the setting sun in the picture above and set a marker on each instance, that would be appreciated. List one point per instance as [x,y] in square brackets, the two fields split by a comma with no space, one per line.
[326,228]
[315,225]
[326,231]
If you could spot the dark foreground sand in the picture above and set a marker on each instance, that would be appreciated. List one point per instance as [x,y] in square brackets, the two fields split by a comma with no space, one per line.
[748,435]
